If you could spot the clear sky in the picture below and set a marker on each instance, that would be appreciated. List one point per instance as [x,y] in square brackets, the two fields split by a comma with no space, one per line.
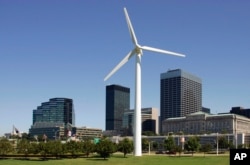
[59,48]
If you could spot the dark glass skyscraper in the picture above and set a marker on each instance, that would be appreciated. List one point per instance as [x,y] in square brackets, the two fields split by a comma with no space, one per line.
[180,94]
[53,119]
[60,110]
[117,101]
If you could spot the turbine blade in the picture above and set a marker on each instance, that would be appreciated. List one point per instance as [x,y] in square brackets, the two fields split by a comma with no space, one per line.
[123,61]
[130,27]
[161,51]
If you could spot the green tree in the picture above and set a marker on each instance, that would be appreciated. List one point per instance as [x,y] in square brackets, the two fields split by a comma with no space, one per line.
[155,145]
[125,146]
[24,147]
[169,144]
[64,148]
[192,144]
[148,133]
[43,149]
[55,148]
[206,148]
[34,148]
[144,144]
[178,149]
[105,148]
[74,148]
[88,147]
[5,147]
[223,142]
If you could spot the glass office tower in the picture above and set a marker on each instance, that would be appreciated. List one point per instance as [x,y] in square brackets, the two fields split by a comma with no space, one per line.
[60,110]
[180,94]
[53,119]
[117,101]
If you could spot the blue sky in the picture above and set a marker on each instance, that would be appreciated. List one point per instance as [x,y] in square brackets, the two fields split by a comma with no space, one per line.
[65,48]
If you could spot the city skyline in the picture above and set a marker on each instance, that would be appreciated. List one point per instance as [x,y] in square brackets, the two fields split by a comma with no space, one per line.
[63,49]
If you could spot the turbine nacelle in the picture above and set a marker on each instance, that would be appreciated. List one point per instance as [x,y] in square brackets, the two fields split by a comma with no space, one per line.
[138,49]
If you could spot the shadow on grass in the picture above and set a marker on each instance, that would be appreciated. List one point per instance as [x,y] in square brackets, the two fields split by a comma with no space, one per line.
[97,159]
[3,158]
[37,159]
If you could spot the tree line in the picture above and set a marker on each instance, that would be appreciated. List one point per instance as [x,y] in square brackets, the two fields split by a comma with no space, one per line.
[104,147]
[55,148]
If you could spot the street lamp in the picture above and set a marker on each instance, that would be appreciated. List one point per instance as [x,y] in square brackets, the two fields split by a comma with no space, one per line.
[56,132]
[182,142]
[149,147]
[36,137]
[236,140]
[217,144]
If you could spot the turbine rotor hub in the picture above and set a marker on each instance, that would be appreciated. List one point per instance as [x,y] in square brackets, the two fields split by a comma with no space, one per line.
[138,50]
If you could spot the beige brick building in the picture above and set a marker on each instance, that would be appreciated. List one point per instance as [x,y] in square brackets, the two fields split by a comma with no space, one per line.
[203,123]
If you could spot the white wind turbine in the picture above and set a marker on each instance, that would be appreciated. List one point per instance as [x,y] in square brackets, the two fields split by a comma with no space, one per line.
[138,52]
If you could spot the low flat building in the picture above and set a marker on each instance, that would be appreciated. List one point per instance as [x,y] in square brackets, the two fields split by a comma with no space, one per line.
[86,132]
[201,123]
[204,123]
[48,130]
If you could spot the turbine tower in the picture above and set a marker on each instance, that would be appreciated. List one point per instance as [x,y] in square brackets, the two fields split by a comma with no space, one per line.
[138,52]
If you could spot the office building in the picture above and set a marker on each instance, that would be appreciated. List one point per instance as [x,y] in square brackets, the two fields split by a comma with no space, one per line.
[201,123]
[149,119]
[180,94]
[117,101]
[55,110]
[50,117]
[86,132]
[206,110]
[240,111]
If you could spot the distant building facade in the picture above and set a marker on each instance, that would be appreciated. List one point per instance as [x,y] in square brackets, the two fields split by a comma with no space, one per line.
[53,119]
[55,110]
[86,132]
[117,101]
[203,123]
[240,111]
[149,119]
[180,94]
[207,110]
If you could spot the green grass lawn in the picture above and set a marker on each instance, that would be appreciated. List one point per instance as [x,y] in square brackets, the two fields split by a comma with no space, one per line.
[130,160]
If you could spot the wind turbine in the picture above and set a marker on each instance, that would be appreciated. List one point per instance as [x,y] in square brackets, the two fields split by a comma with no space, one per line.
[137,51]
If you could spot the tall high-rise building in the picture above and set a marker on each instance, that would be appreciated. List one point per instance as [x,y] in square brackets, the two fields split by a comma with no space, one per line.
[117,101]
[55,110]
[53,119]
[180,94]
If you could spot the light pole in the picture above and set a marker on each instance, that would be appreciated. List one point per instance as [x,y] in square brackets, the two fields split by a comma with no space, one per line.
[182,142]
[56,132]
[236,143]
[36,137]
[217,144]
[236,140]
[148,147]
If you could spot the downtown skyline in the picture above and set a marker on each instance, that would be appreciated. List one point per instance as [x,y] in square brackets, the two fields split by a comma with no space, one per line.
[64,49]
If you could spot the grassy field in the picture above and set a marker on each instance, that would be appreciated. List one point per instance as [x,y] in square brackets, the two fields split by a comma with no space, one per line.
[119,160]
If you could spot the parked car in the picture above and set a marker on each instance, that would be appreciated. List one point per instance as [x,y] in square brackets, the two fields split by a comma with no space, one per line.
[160,152]
[171,153]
